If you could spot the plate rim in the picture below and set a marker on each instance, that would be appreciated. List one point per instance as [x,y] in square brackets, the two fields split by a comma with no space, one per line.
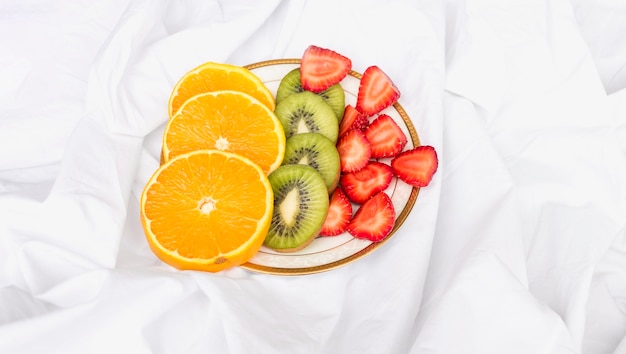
[400,219]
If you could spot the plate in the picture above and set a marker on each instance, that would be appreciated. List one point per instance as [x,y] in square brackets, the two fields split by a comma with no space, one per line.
[331,252]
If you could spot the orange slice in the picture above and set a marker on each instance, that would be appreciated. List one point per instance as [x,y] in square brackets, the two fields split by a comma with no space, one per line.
[207,210]
[212,76]
[227,121]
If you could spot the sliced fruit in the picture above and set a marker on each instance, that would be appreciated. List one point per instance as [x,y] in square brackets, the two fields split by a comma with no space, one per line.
[306,112]
[300,207]
[206,210]
[339,214]
[227,121]
[376,92]
[352,119]
[385,136]
[354,151]
[317,151]
[289,84]
[361,185]
[212,76]
[374,220]
[321,68]
[416,166]
[334,95]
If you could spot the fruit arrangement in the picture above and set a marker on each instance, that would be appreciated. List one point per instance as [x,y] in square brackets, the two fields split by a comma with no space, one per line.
[242,168]
[363,137]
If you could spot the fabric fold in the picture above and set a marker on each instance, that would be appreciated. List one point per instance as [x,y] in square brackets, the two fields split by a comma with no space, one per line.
[516,246]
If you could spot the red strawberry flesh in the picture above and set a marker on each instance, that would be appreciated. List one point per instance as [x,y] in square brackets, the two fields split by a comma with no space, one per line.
[339,214]
[352,119]
[354,151]
[416,166]
[374,220]
[361,185]
[376,92]
[385,136]
[320,68]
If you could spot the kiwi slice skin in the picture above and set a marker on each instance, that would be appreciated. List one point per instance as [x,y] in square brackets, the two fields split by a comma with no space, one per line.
[317,151]
[334,95]
[306,112]
[300,207]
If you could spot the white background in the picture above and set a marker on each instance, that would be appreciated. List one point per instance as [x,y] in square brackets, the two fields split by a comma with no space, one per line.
[517,246]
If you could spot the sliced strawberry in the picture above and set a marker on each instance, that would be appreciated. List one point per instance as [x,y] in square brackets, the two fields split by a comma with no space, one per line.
[361,185]
[320,68]
[339,214]
[385,136]
[376,92]
[354,151]
[352,119]
[416,166]
[374,220]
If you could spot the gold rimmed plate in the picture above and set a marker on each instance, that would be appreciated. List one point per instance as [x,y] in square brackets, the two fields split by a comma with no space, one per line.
[327,253]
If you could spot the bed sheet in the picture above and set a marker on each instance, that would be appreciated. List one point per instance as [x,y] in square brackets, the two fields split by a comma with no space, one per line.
[518,245]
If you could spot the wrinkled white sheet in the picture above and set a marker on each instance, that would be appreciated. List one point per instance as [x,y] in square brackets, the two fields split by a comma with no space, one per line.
[517,246]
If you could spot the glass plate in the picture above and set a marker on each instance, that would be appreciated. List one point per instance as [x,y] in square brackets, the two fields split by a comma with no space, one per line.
[326,253]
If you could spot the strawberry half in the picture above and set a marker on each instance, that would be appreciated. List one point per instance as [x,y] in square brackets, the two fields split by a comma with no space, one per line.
[374,220]
[339,214]
[385,136]
[352,119]
[416,166]
[376,92]
[354,151]
[361,185]
[320,68]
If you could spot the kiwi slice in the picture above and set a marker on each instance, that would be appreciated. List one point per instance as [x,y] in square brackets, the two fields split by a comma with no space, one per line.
[300,207]
[334,95]
[317,151]
[336,99]
[306,112]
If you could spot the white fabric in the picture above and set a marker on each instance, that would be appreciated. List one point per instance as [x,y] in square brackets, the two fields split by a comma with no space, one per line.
[517,246]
